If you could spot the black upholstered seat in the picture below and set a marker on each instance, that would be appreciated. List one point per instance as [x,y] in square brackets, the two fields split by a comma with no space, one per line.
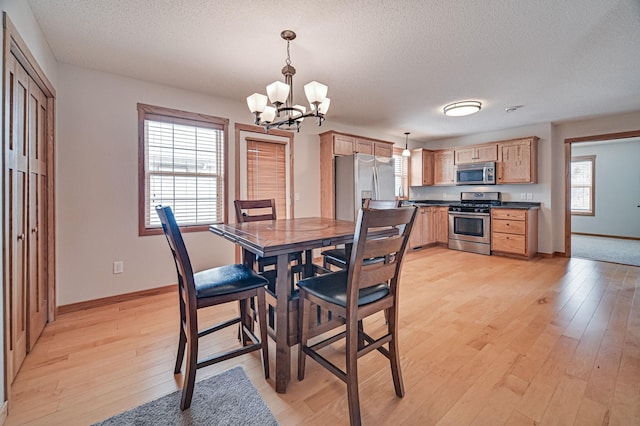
[226,280]
[229,283]
[332,288]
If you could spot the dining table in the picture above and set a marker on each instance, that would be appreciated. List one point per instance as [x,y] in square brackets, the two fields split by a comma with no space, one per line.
[280,238]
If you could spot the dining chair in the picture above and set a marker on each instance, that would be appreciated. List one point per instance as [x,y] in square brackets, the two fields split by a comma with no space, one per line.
[206,288]
[338,256]
[262,210]
[354,294]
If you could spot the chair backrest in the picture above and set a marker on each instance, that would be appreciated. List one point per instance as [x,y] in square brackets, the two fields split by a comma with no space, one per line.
[392,248]
[243,213]
[181,259]
[381,204]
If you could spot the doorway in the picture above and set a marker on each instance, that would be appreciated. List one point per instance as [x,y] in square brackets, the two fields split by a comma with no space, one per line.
[608,228]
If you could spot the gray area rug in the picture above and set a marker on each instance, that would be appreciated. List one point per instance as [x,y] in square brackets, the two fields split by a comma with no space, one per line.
[226,399]
[616,250]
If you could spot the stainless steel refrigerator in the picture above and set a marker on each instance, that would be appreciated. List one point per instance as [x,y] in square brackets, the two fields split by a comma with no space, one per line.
[361,176]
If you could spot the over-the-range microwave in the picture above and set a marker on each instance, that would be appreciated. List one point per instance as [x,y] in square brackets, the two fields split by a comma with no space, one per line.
[476,174]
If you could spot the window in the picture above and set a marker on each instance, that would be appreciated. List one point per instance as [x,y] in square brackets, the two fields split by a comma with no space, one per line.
[182,158]
[267,173]
[401,173]
[582,185]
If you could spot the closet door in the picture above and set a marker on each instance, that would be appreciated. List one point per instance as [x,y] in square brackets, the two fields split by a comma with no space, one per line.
[26,226]
[37,240]
[16,163]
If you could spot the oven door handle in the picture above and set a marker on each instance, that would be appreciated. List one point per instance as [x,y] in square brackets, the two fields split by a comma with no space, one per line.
[468,214]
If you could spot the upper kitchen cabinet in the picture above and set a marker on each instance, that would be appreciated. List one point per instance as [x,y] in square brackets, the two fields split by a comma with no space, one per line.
[421,167]
[518,161]
[443,168]
[344,144]
[334,144]
[476,154]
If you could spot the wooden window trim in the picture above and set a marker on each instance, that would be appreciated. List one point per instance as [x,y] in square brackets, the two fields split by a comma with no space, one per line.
[177,117]
[592,200]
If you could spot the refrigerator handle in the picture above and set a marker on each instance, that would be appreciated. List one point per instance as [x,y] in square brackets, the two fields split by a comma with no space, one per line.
[376,188]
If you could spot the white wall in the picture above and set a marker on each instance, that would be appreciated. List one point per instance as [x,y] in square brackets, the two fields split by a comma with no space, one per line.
[20,15]
[617,189]
[97,179]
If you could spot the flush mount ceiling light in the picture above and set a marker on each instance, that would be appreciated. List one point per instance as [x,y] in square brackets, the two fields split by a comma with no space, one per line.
[283,114]
[405,151]
[458,109]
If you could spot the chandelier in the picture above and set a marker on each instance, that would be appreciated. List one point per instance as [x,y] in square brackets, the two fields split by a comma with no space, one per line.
[283,114]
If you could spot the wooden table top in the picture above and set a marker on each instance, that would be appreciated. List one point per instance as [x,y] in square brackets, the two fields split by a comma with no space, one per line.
[272,237]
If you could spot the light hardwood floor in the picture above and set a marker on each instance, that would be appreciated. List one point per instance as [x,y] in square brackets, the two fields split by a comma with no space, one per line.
[485,340]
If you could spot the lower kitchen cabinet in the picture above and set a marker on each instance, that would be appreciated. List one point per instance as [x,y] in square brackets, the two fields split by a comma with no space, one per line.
[430,227]
[514,232]
[442,225]
[423,232]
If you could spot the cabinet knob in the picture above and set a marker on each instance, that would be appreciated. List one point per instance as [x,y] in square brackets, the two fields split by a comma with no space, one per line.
[34,230]
[21,237]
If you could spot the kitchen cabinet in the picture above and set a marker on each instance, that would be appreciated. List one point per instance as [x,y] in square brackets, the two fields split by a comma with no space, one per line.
[443,167]
[441,218]
[476,154]
[335,144]
[421,167]
[423,232]
[518,161]
[383,149]
[514,232]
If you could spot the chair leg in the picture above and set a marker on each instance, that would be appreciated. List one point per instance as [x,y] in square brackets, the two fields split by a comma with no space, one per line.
[394,352]
[262,319]
[182,342]
[304,306]
[190,370]
[352,373]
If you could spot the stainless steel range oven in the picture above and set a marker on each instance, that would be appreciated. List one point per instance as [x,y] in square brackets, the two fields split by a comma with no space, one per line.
[470,222]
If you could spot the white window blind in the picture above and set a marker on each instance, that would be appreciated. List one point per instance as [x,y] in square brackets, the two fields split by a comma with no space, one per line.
[184,169]
[267,173]
[582,185]
[401,173]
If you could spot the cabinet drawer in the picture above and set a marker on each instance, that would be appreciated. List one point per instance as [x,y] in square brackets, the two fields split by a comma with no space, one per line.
[509,243]
[509,214]
[508,226]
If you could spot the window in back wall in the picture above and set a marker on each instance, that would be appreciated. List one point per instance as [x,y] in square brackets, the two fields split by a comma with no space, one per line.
[182,165]
[401,173]
[583,185]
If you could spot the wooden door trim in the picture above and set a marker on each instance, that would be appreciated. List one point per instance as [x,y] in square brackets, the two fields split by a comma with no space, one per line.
[15,45]
[567,175]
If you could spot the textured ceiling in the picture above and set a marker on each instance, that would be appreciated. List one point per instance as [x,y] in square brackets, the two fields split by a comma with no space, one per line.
[390,65]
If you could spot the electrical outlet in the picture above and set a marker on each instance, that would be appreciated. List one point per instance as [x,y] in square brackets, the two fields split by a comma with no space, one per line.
[529,196]
[523,196]
[297,196]
[118,267]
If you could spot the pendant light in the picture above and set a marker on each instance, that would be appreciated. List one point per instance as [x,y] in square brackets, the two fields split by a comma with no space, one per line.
[406,152]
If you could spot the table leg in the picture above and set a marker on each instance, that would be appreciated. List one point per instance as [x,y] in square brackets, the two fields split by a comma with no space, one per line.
[283,352]
[308,264]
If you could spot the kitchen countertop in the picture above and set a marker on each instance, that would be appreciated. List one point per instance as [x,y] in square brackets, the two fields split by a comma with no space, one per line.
[443,203]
